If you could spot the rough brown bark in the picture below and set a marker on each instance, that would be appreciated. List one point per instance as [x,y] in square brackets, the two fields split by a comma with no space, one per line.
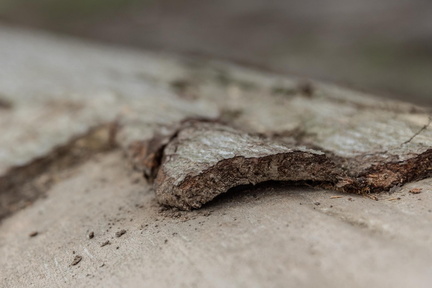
[206,159]
[203,159]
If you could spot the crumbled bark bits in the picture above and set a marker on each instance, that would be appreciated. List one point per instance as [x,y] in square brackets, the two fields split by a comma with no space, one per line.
[76,260]
[305,88]
[33,234]
[107,242]
[415,190]
[91,235]
[120,233]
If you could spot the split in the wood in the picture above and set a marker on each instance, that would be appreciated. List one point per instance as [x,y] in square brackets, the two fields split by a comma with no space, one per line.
[202,159]
[22,185]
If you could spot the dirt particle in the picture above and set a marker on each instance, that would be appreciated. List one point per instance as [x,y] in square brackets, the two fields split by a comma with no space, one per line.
[120,233]
[317,203]
[335,197]
[373,197]
[105,243]
[5,104]
[166,241]
[33,234]
[415,190]
[91,235]
[305,88]
[76,260]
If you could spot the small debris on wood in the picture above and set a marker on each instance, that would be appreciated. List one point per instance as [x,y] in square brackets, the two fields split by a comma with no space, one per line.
[5,104]
[373,197]
[76,260]
[107,242]
[415,190]
[335,197]
[394,199]
[33,234]
[120,233]
[306,88]
[207,213]
[317,203]
[91,235]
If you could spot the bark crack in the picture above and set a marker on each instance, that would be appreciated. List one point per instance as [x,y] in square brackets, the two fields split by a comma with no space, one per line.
[419,131]
[22,185]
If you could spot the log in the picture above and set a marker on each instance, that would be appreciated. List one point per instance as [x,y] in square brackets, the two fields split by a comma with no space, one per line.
[81,123]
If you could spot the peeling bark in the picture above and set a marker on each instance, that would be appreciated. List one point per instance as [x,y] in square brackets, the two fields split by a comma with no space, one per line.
[201,160]
[362,143]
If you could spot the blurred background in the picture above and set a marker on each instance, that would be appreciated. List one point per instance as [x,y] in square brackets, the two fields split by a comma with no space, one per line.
[381,46]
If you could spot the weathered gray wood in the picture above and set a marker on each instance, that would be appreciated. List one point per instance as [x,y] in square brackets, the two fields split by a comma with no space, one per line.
[58,89]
